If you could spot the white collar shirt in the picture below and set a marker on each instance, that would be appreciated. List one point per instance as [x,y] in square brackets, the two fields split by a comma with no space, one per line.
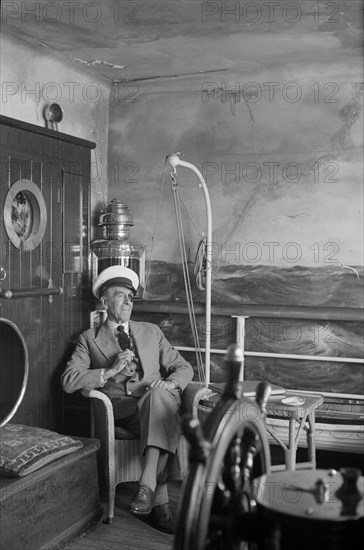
[114,326]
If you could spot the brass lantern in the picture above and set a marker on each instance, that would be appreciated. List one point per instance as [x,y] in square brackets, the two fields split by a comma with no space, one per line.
[116,248]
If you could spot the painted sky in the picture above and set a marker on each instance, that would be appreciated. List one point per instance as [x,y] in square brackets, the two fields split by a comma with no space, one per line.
[280,147]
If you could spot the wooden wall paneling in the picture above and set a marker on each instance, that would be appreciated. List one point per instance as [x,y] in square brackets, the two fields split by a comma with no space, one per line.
[4,132]
[11,137]
[12,258]
[55,303]
[41,356]
[43,362]
[46,147]
[76,278]
[86,223]
[4,163]
[86,298]
[48,323]
[14,270]
[76,234]
[72,226]
[36,254]
[56,149]
[38,318]
[72,190]
[26,141]
[26,312]
[25,257]
[4,241]
[11,253]
[14,168]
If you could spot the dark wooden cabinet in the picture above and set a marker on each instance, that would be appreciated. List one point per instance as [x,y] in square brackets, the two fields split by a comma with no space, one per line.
[44,257]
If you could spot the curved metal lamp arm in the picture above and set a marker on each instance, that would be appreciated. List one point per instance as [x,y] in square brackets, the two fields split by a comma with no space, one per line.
[173,161]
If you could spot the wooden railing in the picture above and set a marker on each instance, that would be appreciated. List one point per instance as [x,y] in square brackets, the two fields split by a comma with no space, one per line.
[256,310]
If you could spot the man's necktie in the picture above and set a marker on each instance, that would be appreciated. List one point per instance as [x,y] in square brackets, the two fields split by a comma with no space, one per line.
[123,338]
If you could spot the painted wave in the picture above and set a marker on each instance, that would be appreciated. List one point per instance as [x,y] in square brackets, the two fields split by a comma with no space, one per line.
[330,286]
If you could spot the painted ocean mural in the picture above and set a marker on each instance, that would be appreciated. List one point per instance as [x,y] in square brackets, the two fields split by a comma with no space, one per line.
[331,286]
[327,286]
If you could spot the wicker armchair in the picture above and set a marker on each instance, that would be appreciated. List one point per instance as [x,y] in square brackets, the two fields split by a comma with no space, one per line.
[119,456]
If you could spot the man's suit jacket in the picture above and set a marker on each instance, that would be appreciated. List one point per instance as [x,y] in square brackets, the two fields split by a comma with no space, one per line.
[97,349]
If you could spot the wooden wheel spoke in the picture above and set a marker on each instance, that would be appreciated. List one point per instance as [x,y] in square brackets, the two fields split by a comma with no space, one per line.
[233,492]
[217,507]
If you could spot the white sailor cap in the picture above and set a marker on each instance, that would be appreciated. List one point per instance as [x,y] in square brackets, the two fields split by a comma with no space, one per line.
[115,275]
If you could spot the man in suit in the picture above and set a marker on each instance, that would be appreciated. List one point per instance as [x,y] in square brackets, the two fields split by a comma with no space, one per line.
[143,375]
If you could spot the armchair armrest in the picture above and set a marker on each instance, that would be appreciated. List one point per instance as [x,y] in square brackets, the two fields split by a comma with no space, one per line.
[102,421]
[103,414]
[192,395]
[102,428]
[97,395]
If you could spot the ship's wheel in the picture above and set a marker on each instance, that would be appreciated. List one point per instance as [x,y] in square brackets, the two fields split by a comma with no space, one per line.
[227,453]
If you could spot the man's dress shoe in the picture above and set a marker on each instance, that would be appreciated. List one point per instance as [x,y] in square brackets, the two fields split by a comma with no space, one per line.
[162,518]
[142,503]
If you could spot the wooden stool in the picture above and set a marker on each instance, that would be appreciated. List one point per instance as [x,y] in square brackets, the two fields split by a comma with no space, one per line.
[304,415]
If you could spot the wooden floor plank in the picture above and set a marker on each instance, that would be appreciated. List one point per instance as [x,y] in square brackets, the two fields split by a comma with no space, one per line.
[128,532]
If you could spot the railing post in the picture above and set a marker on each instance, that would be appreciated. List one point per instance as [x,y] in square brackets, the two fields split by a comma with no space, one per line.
[240,338]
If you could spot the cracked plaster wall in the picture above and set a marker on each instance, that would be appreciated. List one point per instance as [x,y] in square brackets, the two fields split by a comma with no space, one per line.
[31,80]
[279,170]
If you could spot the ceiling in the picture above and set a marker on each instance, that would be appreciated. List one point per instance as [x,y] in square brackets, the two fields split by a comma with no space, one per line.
[147,39]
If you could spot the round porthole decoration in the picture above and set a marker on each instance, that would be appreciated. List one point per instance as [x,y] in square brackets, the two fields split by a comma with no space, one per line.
[25,214]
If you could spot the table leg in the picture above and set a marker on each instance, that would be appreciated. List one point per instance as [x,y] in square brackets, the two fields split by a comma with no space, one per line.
[311,444]
[290,454]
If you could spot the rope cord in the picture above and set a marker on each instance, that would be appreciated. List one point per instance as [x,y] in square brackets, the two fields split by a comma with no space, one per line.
[191,312]
[200,265]
[189,215]
[176,199]
[188,289]
[200,259]
[156,225]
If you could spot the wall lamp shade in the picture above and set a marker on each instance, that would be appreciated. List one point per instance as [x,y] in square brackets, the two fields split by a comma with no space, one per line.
[53,114]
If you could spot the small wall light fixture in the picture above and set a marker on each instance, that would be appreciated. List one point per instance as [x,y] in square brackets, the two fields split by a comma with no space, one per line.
[53,114]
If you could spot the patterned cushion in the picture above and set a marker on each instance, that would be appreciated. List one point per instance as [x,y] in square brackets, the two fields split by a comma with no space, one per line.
[24,449]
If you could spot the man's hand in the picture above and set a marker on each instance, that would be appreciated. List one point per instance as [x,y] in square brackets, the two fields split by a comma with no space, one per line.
[165,384]
[122,364]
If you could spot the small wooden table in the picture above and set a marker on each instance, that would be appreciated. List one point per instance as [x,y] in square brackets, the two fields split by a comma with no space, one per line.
[299,417]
